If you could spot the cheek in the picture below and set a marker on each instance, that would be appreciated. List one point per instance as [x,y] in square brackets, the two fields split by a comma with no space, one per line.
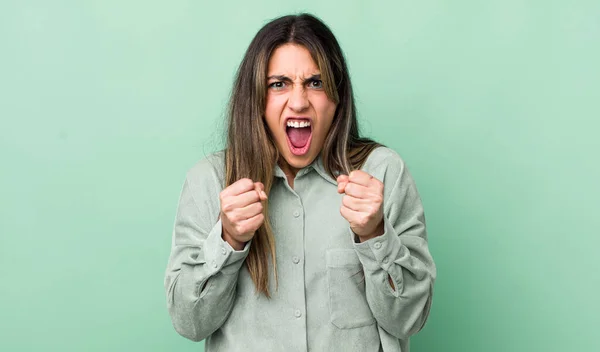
[325,110]
[273,112]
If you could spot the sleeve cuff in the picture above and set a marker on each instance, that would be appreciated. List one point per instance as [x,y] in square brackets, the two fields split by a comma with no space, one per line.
[381,251]
[220,256]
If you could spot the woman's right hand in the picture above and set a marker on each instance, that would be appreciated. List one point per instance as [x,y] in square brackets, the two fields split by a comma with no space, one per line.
[242,211]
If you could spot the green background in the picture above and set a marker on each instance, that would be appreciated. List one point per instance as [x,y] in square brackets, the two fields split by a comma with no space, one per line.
[494,105]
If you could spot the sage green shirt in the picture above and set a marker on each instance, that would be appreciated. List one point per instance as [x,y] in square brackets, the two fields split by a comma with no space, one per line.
[333,294]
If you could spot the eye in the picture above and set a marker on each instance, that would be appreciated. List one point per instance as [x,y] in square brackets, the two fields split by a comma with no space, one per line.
[277,85]
[317,84]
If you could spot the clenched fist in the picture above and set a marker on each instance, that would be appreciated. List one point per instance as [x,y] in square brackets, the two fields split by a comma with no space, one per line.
[242,211]
[362,204]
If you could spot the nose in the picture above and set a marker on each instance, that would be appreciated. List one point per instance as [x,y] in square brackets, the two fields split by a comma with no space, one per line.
[298,101]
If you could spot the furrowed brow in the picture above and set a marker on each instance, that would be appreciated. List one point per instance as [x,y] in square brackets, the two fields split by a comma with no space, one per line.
[312,78]
[279,78]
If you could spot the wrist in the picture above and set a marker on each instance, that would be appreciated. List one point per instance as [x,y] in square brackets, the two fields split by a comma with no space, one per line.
[235,244]
[379,230]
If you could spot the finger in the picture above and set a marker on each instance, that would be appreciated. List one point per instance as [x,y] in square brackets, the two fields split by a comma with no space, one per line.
[345,212]
[350,215]
[260,188]
[240,186]
[360,177]
[356,204]
[357,190]
[248,212]
[240,201]
[252,224]
[342,178]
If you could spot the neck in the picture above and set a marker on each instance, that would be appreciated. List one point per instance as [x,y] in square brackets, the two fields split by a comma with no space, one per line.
[289,171]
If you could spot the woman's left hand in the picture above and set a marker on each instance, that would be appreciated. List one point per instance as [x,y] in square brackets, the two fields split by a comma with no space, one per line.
[362,204]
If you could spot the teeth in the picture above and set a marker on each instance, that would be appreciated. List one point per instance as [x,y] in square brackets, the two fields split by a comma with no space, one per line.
[298,124]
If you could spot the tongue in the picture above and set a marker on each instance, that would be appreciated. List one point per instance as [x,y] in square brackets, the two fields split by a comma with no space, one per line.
[299,136]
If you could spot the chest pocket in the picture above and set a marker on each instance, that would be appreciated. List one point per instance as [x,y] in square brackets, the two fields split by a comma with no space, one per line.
[347,300]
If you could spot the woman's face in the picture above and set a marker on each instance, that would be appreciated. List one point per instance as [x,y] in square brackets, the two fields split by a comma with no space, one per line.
[298,112]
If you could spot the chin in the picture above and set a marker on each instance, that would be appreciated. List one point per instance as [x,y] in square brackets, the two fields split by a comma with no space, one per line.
[298,161]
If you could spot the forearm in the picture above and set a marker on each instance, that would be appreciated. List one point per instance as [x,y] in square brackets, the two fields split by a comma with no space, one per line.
[201,285]
[399,277]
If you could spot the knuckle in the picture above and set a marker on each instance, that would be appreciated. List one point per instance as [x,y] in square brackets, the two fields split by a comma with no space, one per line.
[226,207]
[346,200]
[363,221]
[239,229]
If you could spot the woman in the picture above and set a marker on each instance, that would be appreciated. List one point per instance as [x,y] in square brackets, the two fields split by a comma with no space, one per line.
[300,236]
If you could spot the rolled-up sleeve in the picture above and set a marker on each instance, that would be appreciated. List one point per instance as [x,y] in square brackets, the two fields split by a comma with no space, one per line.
[402,255]
[202,271]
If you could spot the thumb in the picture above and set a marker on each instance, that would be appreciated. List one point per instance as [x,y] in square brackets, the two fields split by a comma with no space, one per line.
[260,189]
[342,181]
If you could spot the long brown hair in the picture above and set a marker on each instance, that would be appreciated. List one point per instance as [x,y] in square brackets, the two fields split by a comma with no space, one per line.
[251,151]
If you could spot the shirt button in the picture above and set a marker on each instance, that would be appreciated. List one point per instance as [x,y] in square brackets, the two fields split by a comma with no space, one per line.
[223,251]
[296,260]
[377,245]
[297,313]
[214,264]
[296,213]
[385,260]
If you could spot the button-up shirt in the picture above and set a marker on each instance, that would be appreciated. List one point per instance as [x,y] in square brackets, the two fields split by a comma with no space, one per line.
[333,293]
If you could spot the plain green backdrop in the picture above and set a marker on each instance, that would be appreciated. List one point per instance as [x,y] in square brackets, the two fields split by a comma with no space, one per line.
[494,105]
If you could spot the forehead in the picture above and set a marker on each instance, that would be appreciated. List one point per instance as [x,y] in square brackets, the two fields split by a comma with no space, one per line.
[292,59]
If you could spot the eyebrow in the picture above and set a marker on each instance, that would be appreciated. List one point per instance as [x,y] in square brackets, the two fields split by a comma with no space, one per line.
[316,77]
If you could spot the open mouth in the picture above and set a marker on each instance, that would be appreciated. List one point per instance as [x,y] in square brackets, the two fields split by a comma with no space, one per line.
[299,135]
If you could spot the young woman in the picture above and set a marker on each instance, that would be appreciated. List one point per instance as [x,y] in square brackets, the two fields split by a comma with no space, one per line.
[300,235]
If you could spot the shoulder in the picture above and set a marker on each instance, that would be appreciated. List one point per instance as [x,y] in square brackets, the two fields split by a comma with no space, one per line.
[399,186]
[385,164]
[208,171]
[199,199]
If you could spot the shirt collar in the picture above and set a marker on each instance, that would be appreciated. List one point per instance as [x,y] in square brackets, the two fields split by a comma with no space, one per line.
[316,165]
